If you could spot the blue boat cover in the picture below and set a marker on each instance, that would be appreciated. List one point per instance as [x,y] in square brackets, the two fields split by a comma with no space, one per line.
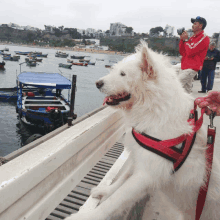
[41,79]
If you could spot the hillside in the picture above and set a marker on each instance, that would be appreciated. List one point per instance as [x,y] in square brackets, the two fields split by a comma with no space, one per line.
[61,39]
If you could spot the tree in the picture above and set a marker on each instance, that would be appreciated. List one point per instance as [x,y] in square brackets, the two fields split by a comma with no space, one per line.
[107,32]
[156,30]
[215,35]
[58,33]
[129,30]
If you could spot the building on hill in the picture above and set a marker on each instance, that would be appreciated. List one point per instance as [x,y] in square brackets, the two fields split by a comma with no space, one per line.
[117,29]
[99,33]
[81,31]
[168,31]
[49,28]
[90,32]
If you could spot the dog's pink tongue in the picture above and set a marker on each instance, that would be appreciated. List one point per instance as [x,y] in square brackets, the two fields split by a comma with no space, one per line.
[105,100]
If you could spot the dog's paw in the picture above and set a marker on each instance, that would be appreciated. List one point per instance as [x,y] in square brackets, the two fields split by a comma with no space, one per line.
[101,192]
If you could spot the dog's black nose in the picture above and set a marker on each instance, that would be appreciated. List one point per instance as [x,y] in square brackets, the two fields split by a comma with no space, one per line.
[99,84]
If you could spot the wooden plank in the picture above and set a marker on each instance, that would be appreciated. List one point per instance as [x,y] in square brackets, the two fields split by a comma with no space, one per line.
[86,185]
[75,200]
[59,214]
[51,217]
[97,173]
[115,151]
[101,171]
[71,206]
[106,161]
[109,158]
[112,154]
[102,168]
[104,165]
[81,191]
[89,181]
[92,178]
[66,210]
[73,195]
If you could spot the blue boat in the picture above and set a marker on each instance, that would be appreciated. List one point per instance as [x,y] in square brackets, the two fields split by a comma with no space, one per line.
[8,96]
[22,53]
[39,99]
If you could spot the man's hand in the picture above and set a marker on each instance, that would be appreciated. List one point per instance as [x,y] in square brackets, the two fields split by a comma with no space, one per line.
[184,36]
[206,58]
[212,101]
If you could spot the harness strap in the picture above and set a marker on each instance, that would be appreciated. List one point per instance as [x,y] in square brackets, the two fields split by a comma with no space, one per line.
[209,159]
[168,150]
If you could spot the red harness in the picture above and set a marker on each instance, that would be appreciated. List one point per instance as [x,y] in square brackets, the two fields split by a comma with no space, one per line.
[168,150]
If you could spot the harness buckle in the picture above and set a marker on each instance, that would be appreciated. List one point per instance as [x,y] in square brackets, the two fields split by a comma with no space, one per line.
[191,116]
[211,117]
[211,126]
[209,140]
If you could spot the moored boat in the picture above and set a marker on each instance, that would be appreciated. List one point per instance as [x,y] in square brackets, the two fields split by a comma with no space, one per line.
[43,105]
[91,63]
[61,54]
[31,62]
[43,55]
[22,53]
[83,60]
[8,96]
[77,57]
[80,64]
[108,66]
[2,65]
[68,66]
[11,58]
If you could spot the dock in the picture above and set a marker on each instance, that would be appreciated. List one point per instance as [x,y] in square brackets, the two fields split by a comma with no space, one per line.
[52,177]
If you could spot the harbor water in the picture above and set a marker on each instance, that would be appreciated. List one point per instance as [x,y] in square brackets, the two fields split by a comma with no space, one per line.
[14,133]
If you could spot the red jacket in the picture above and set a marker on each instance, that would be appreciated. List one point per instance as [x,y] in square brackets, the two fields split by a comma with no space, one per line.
[194,51]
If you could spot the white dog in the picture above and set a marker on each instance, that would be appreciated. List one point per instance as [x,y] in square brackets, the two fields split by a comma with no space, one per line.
[145,87]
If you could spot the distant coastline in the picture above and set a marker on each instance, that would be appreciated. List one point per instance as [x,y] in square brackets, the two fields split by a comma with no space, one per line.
[85,50]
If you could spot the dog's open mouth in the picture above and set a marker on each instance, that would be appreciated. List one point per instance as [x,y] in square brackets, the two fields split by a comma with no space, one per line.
[116,99]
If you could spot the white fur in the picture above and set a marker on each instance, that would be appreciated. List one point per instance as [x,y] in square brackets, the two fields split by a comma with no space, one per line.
[159,107]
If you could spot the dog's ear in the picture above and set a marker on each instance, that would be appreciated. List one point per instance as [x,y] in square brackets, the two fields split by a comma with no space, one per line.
[146,63]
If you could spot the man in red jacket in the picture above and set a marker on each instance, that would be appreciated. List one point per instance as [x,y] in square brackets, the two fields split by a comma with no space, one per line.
[193,51]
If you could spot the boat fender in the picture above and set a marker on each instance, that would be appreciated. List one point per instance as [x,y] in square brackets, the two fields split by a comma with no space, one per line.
[30,94]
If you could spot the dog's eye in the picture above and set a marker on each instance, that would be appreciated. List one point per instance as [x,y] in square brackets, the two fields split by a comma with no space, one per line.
[122,73]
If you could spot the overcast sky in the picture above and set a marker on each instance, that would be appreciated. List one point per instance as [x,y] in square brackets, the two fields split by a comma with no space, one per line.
[98,14]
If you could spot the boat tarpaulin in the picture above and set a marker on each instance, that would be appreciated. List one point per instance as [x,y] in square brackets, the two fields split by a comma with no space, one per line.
[41,79]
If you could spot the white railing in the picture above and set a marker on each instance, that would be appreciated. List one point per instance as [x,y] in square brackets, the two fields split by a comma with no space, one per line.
[33,184]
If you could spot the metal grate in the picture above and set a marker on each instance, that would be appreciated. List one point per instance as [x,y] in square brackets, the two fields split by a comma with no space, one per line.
[78,196]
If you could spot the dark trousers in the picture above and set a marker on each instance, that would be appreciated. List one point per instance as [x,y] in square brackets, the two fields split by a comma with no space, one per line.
[209,75]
